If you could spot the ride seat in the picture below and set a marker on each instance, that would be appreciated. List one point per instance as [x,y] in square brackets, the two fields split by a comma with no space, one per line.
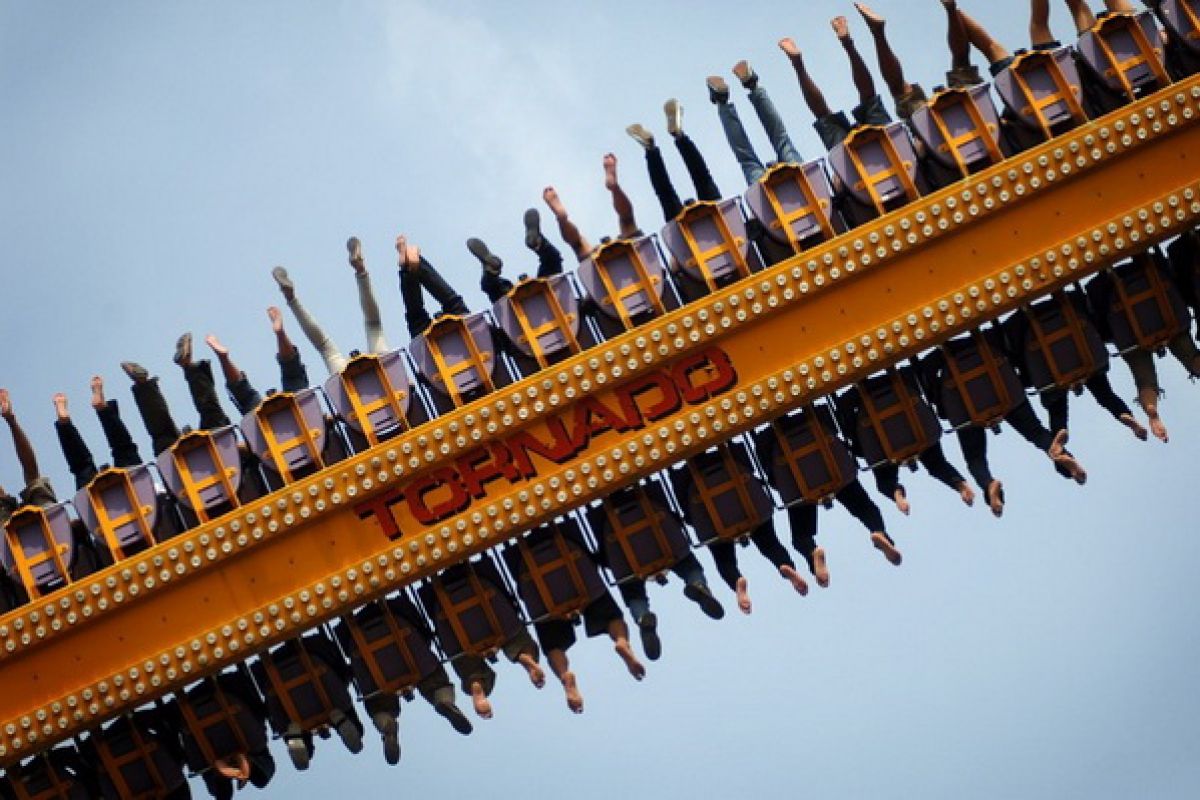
[203,470]
[794,202]
[1043,91]
[979,386]
[1063,348]
[134,762]
[540,316]
[287,433]
[709,243]
[1126,53]
[960,129]
[724,499]
[1182,17]
[641,536]
[39,548]
[878,166]
[46,776]
[219,723]
[556,576]
[808,461]
[300,685]
[1146,310]
[626,279]
[120,507]
[472,612]
[373,394]
[894,422]
[457,356]
[388,652]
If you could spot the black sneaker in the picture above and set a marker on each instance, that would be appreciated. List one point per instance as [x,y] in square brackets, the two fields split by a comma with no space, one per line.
[490,262]
[533,229]
[354,248]
[648,627]
[183,350]
[349,733]
[135,371]
[701,595]
[457,719]
[718,89]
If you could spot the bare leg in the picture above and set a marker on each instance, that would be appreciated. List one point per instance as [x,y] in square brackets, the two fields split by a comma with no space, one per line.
[1059,456]
[889,64]
[956,35]
[1039,22]
[98,400]
[566,228]
[537,676]
[562,668]
[1148,398]
[863,81]
[813,97]
[25,455]
[229,370]
[627,225]
[618,631]
[283,344]
[1081,12]
[1120,6]
[981,40]
[791,576]
[483,706]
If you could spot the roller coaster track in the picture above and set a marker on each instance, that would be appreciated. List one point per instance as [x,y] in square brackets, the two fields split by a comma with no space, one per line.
[483,474]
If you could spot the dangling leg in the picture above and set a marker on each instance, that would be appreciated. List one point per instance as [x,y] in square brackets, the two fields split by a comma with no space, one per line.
[1025,422]
[372,321]
[200,383]
[1145,377]
[438,691]
[725,556]
[152,407]
[293,377]
[909,97]
[415,314]
[26,456]
[74,449]
[854,498]
[887,481]
[660,179]
[935,462]
[477,679]
[522,650]
[567,229]
[335,362]
[983,41]
[1104,394]
[768,115]
[735,133]
[973,441]
[863,82]
[767,542]
[633,593]
[695,585]
[627,226]
[245,396]
[618,631]
[120,444]
[550,261]
[693,160]
[1081,12]
[802,517]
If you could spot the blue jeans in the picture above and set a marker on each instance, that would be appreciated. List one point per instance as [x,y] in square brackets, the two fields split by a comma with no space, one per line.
[633,591]
[739,142]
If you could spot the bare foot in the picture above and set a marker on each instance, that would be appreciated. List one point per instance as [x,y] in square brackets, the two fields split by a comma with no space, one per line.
[6,409]
[537,675]
[215,345]
[902,501]
[966,493]
[410,254]
[625,651]
[98,401]
[841,27]
[571,687]
[1130,421]
[743,596]
[1060,456]
[820,569]
[789,47]
[1157,427]
[884,545]
[556,207]
[873,20]
[276,318]
[995,497]
[483,706]
[60,407]
[794,579]
[610,171]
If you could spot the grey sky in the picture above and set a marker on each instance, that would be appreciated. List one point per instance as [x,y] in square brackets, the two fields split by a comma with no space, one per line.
[157,159]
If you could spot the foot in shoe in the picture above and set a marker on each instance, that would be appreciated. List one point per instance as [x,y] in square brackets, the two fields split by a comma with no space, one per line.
[718,89]
[183,350]
[98,401]
[743,596]
[215,345]
[610,172]
[136,372]
[533,229]
[60,407]
[744,73]
[674,111]
[487,259]
[640,135]
[354,248]
[820,568]
[701,595]
[885,545]
[571,688]
[794,579]
[625,651]
[648,628]
[452,714]
[285,283]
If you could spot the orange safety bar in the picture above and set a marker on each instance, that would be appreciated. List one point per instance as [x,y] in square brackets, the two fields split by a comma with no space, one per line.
[982,131]
[368,648]
[56,790]
[227,712]
[652,521]
[285,402]
[192,487]
[392,397]
[898,170]
[989,366]
[1147,54]
[1073,330]
[481,596]
[532,334]
[738,482]
[729,243]
[25,564]
[818,207]
[794,455]
[476,359]
[908,409]
[1065,94]
[537,572]
[1156,291]
[139,514]
[143,751]
[311,673]
[613,295]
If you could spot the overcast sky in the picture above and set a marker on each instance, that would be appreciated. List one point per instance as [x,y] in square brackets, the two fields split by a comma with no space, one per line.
[157,159]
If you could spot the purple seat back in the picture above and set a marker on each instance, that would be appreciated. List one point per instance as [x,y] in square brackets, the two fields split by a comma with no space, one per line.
[567,578]
[805,220]
[618,261]
[1037,69]
[194,452]
[25,530]
[536,298]
[868,144]
[366,374]
[658,540]
[956,109]
[1118,31]
[719,232]
[110,491]
[1182,17]
[454,337]
[278,415]
[707,476]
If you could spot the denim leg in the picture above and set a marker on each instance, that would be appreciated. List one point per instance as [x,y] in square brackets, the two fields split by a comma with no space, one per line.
[785,151]
[245,397]
[76,452]
[120,443]
[689,569]
[702,179]
[633,592]
[156,416]
[293,377]
[739,142]
[660,179]
[204,395]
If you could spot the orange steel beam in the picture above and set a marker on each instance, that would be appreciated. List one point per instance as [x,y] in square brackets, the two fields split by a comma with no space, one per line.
[570,434]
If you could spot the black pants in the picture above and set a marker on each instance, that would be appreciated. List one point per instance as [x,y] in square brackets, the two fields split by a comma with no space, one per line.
[853,497]
[157,416]
[887,476]
[79,457]
[426,277]
[550,263]
[706,187]
[1055,401]
[765,539]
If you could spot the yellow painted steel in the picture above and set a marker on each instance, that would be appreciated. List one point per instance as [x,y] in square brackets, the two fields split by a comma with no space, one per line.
[484,473]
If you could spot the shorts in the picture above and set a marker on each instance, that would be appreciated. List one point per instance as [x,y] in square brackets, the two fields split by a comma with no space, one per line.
[834,128]
[963,77]
[38,493]
[911,102]
[559,634]
[996,67]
